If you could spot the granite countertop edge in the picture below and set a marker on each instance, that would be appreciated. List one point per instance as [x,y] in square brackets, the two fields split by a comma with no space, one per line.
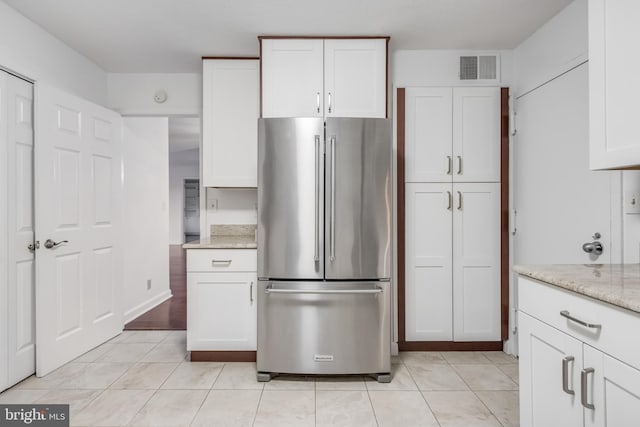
[616,284]
[223,242]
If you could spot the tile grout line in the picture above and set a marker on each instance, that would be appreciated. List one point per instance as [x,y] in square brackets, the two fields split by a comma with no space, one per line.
[421,391]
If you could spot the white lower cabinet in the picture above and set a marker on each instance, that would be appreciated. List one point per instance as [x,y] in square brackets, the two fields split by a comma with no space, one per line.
[452,262]
[221,300]
[567,375]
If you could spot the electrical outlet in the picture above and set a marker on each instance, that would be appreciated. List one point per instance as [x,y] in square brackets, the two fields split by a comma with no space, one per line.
[632,202]
[148,284]
[213,204]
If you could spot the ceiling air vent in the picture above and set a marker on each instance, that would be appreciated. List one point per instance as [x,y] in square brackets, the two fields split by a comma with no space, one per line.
[484,67]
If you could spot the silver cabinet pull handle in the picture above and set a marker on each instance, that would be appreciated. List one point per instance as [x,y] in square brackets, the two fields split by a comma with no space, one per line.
[565,375]
[332,255]
[449,200]
[318,102]
[50,244]
[565,313]
[330,103]
[459,200]
[583,384]
[449,165]
[270,290]
[220,261]
[459,165]
[316,253]
[251,293]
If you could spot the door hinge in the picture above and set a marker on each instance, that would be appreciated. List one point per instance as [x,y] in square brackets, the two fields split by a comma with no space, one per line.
[514,129]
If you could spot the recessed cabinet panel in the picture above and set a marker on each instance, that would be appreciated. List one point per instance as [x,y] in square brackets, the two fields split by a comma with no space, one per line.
[292,78]
[230,122]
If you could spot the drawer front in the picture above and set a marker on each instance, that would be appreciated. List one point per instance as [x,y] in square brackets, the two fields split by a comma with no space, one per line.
[614,336]
[221,260]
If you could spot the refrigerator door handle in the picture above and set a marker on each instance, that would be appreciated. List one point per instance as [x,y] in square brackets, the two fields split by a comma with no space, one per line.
[271,290]
[316,254]
[332,223]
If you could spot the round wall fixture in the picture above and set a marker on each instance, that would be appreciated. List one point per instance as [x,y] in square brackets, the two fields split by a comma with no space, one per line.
[160,96]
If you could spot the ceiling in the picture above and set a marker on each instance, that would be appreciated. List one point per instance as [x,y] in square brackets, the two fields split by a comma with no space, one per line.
[170,36]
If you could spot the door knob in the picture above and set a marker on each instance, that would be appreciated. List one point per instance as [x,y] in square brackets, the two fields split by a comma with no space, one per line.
[595,248]
[50,244]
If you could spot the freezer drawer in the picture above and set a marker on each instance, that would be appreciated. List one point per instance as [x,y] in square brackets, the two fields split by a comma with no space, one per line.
[324,328]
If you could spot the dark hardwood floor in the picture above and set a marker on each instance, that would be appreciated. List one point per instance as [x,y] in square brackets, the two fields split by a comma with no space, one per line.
[171,314]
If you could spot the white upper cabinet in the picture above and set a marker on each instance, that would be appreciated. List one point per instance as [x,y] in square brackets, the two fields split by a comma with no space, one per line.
[476,134]
[614,86]
[355,77]
[452,134]
[324,78]
[292,82]
[230,122]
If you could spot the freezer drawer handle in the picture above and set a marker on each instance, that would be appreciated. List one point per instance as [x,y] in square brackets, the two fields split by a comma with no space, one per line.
[565,313]
[270,290]
[216,262]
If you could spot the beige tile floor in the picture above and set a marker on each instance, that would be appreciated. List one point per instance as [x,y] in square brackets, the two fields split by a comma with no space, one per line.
[143,378]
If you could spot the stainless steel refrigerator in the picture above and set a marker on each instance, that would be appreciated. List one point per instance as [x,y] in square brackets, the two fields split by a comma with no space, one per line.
[324,247]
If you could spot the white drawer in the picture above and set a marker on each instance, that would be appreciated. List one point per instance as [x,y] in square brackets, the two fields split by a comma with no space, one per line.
[618,327]
[221,260]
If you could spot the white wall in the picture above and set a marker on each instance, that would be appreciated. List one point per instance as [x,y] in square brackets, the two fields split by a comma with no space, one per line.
[440,67]
[235,206]
[146,211]
[558,46]
[132,94]
[29,50]
[182,165]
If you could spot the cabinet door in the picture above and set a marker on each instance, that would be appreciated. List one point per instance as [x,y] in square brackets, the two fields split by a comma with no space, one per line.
[476,134]
[428,262]
[476,262]
[355,77]
[613,83]
[292,80]
[613,388]
[222,311]
[230,123]
[428,133]
[543,351]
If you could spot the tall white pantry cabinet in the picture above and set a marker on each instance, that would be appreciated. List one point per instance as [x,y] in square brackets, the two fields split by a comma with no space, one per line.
[452,200]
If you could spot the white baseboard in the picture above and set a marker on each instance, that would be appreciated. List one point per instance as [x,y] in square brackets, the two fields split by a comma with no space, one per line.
[142,308]
[394,349]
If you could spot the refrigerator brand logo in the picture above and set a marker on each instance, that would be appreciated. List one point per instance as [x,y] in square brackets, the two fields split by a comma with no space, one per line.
[323,357]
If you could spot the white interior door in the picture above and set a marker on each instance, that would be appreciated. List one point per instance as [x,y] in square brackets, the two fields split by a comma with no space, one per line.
[560,203]
[16,137]
[78,188]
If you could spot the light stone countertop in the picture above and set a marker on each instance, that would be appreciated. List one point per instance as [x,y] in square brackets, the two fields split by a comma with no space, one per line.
[232,236]
[617,284]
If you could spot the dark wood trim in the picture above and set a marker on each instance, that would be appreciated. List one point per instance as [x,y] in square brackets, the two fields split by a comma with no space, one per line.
[223,356]
[323,37]
[386,80]
[504,237]
[504,212]
[400,141]
[231,57]
[260,85]
[450,346]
